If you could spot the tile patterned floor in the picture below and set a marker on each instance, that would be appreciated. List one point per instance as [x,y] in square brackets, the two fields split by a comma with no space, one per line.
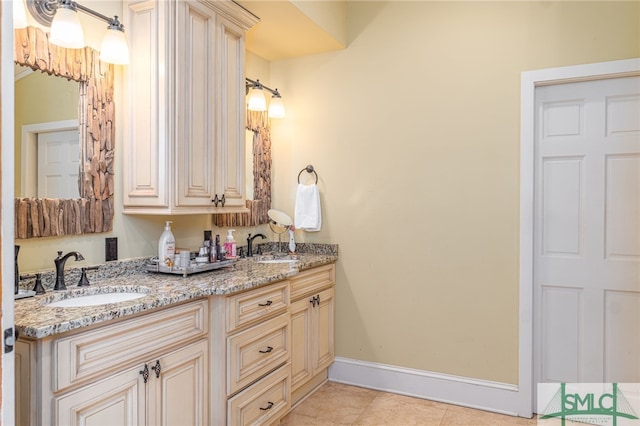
[338,404]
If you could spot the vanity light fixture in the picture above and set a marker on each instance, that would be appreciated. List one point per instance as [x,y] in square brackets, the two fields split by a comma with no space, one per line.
[66,30]
[276,106]
[258,102]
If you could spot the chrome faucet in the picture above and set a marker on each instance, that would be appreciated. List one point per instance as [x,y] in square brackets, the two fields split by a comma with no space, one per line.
[60,262]
[250,243]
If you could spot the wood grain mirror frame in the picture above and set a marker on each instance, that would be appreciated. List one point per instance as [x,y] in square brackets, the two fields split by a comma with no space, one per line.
[93,211]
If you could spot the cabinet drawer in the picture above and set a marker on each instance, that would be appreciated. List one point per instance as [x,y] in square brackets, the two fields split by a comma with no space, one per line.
[262,403]
[100,352]
[254,352]
[311,281]
[252,306]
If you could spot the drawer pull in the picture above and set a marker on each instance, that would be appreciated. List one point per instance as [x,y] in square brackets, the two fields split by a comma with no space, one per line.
[267,303]
[268,407]
[145,373]
[157,369]
[269,349]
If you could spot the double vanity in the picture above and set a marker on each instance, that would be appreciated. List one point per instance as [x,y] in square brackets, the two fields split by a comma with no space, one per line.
[237,346]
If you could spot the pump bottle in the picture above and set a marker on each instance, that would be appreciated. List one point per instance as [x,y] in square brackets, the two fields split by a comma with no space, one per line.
[230,244]
[167,246]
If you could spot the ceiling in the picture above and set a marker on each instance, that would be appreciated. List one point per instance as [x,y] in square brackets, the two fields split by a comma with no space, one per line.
[284,31]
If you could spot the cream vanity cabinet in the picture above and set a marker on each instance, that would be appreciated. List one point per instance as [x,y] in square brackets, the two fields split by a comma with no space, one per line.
[252,369]
[312,328]
[184,104]
[148,370]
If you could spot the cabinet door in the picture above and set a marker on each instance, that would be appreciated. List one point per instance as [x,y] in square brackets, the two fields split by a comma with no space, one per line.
[231,115]
[324,316]
[195,138]
[148,106]
[25,383]
[312,336]
[118,400]
[179,394]
[301,331]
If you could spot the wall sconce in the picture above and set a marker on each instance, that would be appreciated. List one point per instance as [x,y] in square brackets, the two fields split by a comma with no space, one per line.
[66,30]
[258,102]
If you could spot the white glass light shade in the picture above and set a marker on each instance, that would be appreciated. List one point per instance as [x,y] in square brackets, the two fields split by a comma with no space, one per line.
[257,101]
[114,48]
[19,14]
[66,30]
[276,108]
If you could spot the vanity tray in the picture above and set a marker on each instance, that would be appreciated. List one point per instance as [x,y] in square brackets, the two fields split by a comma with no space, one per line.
[191,269]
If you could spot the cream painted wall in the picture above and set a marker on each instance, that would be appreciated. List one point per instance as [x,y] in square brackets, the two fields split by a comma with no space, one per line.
[414,132]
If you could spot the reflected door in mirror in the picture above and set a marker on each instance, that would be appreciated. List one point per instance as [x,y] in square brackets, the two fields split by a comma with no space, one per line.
[45,104]
[58,164]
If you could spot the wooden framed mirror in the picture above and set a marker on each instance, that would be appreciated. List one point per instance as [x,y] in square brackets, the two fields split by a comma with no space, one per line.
[93,210]
[257,124]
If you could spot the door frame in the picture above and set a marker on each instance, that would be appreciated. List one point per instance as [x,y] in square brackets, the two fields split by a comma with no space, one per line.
[528,83]
[6,213]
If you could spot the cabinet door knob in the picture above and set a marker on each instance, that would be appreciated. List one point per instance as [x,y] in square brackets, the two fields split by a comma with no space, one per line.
[267,303]
[266,351]
[145,373]
[268,407]
[157,369]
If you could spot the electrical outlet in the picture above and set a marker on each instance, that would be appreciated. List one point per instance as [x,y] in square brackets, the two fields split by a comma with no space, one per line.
[110,249]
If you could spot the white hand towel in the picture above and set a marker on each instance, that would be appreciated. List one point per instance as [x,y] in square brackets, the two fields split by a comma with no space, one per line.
[307,211]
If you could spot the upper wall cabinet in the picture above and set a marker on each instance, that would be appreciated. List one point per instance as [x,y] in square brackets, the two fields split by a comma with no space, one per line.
[185,107]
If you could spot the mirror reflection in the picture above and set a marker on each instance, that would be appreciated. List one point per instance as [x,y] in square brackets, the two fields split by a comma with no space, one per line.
[91,209]
[47,148]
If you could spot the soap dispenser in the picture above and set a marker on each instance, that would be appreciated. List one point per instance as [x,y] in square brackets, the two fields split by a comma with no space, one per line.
[167,246]
[230,244]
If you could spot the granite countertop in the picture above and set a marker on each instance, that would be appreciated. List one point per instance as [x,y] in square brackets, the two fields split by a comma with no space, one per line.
[36,320]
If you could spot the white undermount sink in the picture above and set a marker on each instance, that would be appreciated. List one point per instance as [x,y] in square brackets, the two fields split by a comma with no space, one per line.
[95,299]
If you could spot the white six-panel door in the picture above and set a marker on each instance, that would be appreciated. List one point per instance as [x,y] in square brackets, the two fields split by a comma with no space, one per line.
[587,232]
[58,164]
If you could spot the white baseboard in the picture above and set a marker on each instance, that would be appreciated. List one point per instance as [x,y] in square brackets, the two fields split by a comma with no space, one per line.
[474,393]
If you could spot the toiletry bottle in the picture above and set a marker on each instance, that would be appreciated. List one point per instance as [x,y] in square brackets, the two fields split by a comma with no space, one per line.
[167,246]
[213,254]
[230,244]
[219,249]
[207,245]
[215,249]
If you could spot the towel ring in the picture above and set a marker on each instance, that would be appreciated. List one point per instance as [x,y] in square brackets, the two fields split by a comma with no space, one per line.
[309,169]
